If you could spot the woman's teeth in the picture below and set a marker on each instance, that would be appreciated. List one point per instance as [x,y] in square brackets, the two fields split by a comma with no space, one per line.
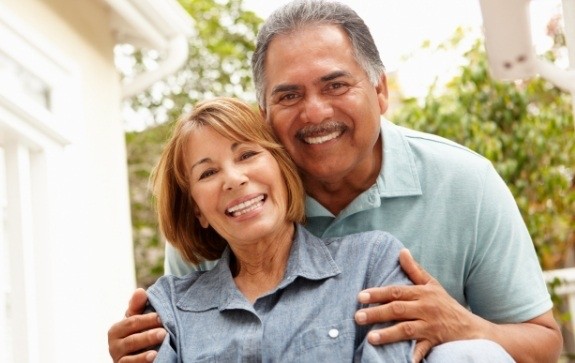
[245,207]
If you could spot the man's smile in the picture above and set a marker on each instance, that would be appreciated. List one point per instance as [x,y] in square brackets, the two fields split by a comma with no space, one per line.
[319,134]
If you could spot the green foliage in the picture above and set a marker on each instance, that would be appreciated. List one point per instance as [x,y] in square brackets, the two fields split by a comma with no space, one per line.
[144,149]
[525,129]
[218,65]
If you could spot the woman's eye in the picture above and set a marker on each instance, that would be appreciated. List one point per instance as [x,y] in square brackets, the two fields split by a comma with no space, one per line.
[248,154]
[207,173]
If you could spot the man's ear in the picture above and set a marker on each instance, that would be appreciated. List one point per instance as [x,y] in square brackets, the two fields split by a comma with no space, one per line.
[382,93]
[201,218]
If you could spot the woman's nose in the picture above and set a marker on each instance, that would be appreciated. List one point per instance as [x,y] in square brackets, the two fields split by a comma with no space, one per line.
[234,178]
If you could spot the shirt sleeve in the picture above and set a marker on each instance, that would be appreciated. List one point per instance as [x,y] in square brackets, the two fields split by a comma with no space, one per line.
[160,301]
[505,282]
[175,265]
[393,352]
[166,353]
[384,269]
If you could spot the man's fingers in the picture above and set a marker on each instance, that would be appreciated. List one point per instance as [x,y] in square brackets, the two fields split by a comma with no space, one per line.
[137,303]
[133,334]
[385,294]
[421,349]
[134,324]
[407,330]
[412,269]
[124,350]
[144,341]
[394,311]
[146,357]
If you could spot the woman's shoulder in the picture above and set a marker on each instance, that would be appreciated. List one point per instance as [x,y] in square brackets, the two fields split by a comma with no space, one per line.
[368,238]
[174,285]
[367,245]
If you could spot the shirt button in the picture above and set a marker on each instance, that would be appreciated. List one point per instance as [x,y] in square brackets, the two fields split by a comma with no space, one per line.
[333,333]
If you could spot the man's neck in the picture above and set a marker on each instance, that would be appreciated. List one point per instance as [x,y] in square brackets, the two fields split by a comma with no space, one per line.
[336,193]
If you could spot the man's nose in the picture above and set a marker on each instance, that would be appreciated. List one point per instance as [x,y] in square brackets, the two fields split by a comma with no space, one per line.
[234,177]
[317,109]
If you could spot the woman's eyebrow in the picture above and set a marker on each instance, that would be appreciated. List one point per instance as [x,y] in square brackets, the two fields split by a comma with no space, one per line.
[234,147]
[199,162]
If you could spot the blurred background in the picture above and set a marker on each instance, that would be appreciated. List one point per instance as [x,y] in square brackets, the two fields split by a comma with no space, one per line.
[89,91]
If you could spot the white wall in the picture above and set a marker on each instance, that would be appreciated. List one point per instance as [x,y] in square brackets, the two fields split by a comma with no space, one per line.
[77,265]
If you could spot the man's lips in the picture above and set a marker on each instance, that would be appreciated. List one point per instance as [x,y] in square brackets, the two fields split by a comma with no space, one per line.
[318,134]
[246,206]
[321,139]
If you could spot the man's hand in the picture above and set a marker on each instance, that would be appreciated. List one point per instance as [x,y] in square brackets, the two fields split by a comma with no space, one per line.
[128,338]
[424,312]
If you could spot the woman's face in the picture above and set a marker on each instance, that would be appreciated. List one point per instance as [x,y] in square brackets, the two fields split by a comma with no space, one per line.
[237,187]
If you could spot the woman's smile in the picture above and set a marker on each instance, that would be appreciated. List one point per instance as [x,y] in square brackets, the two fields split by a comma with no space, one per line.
[246,206]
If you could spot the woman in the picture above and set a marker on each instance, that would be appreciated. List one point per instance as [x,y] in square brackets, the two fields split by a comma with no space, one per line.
[225,189]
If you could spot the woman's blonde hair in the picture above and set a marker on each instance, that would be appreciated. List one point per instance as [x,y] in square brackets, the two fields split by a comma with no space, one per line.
[237,121]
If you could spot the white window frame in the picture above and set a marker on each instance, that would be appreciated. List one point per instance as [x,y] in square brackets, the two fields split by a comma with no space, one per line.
[29,133]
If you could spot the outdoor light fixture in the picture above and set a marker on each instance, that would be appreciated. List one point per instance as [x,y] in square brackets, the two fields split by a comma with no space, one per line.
[510,51]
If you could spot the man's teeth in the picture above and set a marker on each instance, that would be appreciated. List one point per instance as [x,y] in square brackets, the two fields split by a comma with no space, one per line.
[322,139]
[247,206]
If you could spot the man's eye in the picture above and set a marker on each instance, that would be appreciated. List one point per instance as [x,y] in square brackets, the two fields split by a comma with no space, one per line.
[337,88]
[288,99]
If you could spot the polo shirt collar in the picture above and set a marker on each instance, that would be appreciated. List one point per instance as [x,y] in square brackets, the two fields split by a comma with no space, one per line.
[397,177]
[309,258]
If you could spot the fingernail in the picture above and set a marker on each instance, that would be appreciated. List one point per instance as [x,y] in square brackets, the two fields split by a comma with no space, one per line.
[360,317]
[161,334]
[373,338]
[151,356]
[363,297]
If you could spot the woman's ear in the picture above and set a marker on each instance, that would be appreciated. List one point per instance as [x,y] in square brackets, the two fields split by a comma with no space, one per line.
[201,218]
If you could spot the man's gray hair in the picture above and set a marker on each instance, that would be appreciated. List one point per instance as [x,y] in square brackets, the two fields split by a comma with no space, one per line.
[301,13]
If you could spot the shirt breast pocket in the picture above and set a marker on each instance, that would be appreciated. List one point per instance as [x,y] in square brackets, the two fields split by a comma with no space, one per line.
[329,342]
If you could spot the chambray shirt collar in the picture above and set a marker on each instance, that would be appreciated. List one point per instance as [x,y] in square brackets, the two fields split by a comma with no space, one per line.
[309,258]
[397,177]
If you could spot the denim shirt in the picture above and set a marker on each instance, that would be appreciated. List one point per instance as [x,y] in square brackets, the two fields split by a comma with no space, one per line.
[308,317]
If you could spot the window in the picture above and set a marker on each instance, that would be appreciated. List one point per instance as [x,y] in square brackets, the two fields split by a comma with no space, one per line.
[5,333]
[36,88]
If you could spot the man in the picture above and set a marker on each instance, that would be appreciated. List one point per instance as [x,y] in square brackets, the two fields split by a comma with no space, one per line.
[321,84]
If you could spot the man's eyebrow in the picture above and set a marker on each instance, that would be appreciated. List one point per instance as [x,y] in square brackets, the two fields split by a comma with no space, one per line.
[284,88]
[334,75]
[292,87]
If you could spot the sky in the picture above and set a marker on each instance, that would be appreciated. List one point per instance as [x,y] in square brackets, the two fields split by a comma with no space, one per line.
[399,28]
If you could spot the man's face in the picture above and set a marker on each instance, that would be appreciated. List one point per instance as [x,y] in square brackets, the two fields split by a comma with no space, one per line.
[321,104]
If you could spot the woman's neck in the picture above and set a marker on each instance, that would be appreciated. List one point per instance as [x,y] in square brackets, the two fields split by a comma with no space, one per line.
[260,267]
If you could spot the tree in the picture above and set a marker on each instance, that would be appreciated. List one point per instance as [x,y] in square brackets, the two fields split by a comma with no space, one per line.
[218,65]
[526,129]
